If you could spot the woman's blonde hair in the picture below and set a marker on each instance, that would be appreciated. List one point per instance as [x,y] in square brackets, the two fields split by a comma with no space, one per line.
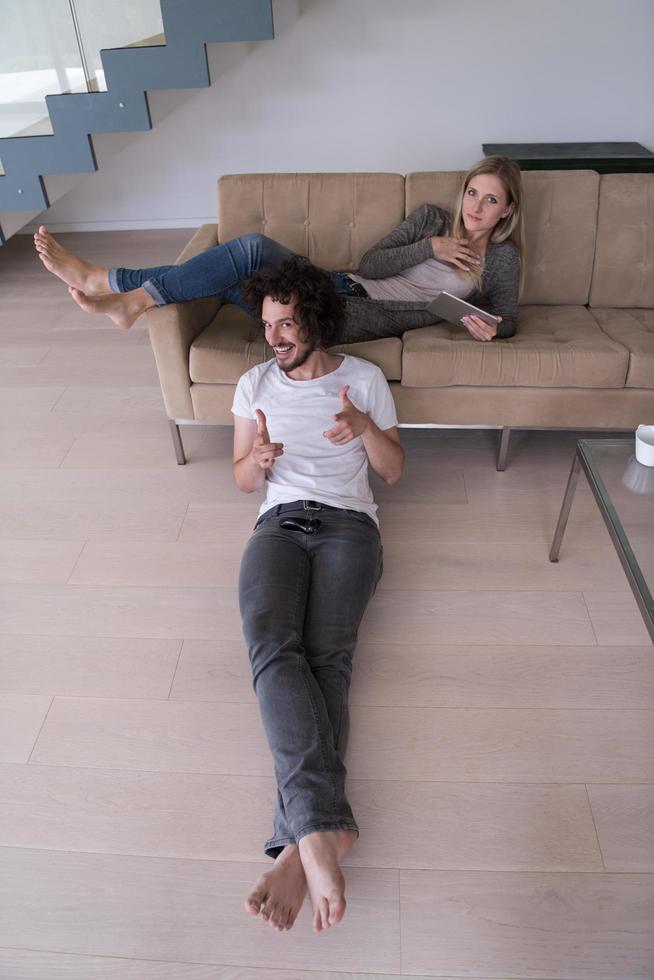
[511,227]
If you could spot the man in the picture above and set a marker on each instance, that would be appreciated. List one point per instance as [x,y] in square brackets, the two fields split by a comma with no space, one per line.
[306,426]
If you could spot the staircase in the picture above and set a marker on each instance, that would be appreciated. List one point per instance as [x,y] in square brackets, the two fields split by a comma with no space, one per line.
[129,73]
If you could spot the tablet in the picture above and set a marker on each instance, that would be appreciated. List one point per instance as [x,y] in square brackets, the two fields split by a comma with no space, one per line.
[453,309]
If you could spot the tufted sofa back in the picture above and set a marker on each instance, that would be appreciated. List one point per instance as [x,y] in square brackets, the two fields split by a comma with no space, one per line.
[331,218]
[623,276]
[335,218]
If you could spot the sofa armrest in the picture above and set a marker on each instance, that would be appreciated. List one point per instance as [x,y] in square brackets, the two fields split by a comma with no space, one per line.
[205,237]
[173,329]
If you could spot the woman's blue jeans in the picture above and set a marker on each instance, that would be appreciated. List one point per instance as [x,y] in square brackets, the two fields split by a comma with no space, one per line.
[216,272]
[302,598]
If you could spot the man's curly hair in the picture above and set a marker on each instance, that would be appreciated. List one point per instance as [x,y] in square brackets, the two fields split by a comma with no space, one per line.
[319,310]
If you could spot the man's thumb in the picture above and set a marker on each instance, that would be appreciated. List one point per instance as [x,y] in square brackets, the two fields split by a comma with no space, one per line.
[262,427]
[343,395]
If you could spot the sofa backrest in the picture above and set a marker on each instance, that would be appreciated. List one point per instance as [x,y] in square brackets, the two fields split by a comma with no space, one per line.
[623,275]
[560,226]
[432,187]
[560,221]
[331,218]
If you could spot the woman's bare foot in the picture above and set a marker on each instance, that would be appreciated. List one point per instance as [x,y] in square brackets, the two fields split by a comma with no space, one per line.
[122,308]
[278,894]
[91,279]
[320,854]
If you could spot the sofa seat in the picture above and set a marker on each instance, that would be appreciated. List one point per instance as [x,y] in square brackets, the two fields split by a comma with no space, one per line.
[556,346]
[635,330]
[233,343]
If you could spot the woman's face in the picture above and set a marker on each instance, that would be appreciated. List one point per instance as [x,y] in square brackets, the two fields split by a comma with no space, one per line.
[485,202]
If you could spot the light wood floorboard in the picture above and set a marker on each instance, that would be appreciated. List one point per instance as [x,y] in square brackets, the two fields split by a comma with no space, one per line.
[110,367]
[495,676]
[38,562]
[118,403]
[624,817]
[30,965]
[38,338]
[21,718]
[184,484]
[106,517]
[502,709]
[77,610]
[447,675]
[513,618]
[18,964]
[42,452]
[26,398]
[471,826]
[429,567]
[433,744]
[589,927]
[188,911]
[615,618]
[26,356]
[82,666]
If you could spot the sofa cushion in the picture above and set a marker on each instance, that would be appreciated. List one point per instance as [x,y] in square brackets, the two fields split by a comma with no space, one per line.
[438,187]
[555,346]
[634,329]
[560,216]
[624,259]
[232,344]
[331,218]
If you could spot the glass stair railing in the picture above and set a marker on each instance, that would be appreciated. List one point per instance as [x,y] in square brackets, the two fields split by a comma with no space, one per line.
[51,47]
[71,68]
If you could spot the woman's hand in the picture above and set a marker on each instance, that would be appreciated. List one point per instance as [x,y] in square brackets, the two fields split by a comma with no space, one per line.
[479,329]
[456,251]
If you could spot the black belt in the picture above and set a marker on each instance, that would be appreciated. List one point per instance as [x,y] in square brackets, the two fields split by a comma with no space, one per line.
[309,506]
[299,505]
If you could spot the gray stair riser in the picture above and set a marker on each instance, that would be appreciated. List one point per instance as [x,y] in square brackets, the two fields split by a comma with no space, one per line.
[129,74]
[100,109]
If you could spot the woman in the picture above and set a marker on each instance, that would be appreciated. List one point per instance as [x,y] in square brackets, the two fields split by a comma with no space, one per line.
[474,253]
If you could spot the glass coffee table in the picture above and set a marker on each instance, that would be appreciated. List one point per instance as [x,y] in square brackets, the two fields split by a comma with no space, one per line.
[624,491]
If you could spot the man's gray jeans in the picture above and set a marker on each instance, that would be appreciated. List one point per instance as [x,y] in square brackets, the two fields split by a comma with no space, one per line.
[302,598]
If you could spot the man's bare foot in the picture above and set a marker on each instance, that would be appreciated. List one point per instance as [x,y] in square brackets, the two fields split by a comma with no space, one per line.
[278,894]
[122,308]
[320,854]
[91,279]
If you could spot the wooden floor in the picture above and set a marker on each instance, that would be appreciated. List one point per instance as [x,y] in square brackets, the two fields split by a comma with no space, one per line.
[502,751]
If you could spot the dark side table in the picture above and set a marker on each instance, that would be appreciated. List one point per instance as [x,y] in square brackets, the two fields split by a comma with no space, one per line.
[605,158]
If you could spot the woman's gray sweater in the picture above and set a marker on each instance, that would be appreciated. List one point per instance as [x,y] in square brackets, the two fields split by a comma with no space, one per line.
[408,245]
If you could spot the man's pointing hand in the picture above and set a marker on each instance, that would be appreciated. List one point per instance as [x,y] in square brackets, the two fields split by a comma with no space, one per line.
[264,452]
[350,422]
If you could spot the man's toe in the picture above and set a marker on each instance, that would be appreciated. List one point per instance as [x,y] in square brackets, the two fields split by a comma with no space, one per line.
[265,911]
[336,910]
[255,899]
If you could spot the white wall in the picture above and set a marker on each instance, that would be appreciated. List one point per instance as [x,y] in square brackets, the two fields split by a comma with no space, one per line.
[394,85]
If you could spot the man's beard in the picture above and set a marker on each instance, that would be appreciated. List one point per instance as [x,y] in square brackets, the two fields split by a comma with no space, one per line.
[298,362]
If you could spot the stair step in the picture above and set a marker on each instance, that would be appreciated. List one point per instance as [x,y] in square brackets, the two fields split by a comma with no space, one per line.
[99,112]
[129,73]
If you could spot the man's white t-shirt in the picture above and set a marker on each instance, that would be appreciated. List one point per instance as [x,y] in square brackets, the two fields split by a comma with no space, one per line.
[298,413]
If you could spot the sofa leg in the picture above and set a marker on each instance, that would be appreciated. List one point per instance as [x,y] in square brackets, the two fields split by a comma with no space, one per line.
[177,442]
[503,449]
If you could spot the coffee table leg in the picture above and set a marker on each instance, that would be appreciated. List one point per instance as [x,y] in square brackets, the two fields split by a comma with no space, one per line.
[565,509]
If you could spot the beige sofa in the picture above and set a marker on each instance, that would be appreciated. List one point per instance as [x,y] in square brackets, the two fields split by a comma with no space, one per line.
[583,355]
